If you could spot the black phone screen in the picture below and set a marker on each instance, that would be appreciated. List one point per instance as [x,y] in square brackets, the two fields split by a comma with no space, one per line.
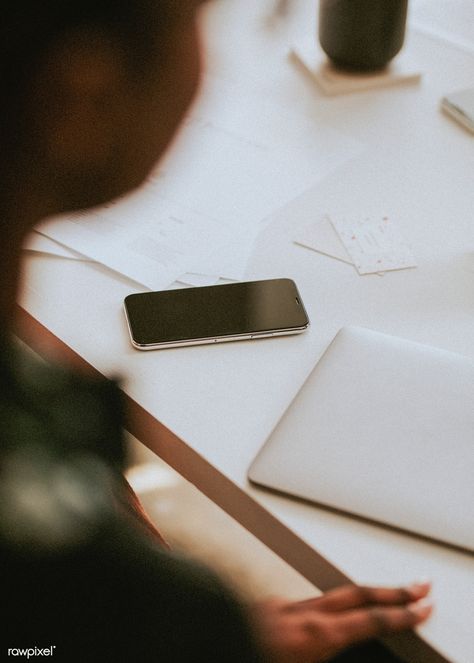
[254,307]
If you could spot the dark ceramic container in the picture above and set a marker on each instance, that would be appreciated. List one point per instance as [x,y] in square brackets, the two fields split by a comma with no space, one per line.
[362,35]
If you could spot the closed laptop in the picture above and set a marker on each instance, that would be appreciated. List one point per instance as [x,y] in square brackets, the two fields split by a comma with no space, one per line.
[383,428]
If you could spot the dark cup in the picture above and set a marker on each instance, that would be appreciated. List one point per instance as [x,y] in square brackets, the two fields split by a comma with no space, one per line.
[362,35]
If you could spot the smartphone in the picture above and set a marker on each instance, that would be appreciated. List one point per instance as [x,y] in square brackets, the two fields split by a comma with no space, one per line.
[214,314]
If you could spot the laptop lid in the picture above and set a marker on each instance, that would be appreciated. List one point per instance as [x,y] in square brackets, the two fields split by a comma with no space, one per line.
[383,428]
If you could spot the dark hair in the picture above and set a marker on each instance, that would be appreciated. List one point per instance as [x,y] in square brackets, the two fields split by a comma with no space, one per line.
[29,28]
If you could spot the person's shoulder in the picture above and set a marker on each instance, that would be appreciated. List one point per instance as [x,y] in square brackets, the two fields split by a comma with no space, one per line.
[58,408]
[192,614]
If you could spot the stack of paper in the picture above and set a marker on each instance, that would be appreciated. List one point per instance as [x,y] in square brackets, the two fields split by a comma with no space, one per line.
[237,159]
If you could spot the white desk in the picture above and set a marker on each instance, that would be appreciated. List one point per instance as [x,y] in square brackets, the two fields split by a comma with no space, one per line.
[217,404]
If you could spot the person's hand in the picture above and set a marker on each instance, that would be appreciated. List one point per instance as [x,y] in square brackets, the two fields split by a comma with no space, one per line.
[320,628]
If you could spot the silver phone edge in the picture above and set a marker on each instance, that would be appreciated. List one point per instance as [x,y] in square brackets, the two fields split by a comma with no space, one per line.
[214,339]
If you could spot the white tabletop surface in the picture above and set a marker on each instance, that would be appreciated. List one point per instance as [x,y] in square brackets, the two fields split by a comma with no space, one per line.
[221,402]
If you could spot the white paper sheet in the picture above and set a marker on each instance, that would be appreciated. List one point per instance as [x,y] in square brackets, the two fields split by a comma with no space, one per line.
[321,237]
[198,280]
[144,237]
[240,158]
[40,244]
[237,159]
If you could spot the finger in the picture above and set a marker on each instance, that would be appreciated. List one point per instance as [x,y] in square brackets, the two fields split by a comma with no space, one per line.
[357,625]
[355,596]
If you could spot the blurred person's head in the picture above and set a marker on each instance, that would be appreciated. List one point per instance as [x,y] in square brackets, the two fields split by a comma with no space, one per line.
[92,92]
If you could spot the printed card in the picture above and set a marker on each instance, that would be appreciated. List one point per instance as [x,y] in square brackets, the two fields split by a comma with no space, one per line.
[374,244]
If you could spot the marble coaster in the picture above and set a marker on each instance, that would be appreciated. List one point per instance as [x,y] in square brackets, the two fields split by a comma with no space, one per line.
[333,81]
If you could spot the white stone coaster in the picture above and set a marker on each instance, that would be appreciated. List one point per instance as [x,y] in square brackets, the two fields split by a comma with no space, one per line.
[334,81]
